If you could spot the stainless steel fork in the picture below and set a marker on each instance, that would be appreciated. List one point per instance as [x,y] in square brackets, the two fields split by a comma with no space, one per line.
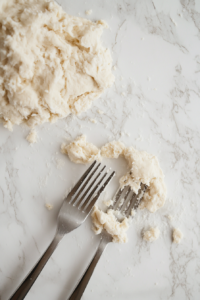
[131,202]
[75,209]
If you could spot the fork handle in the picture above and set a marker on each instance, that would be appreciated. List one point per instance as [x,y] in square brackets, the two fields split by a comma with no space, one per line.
[78,292]
[26,285]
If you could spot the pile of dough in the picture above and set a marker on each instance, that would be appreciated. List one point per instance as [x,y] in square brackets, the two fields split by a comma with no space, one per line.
[109,222]
[152,234]
[51,64]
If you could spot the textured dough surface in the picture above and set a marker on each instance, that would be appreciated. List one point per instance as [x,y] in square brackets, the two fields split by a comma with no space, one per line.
[144,168]
[80,151]
[177,236]
[152,234]
[109,222]
[113,149]
[51,64]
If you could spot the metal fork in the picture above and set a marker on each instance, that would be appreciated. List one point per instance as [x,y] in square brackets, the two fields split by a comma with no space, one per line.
[74,210]
[130,203]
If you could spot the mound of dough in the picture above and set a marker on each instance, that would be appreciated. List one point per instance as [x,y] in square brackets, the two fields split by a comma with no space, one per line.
[51,64]
[80,151]
[144,168]
[109,222]
[152,234]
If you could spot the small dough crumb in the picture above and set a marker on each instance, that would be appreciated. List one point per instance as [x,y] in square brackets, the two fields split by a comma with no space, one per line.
[108,202]
[80,151]
[152,234]
[88,12]
[100,112]
[109,222]
[8,125]
[177,236]
[170,217]
[60,163]
[32,137]
[48,206]
[93,121]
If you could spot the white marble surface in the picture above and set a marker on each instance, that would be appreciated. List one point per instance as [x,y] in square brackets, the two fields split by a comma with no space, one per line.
[156,50]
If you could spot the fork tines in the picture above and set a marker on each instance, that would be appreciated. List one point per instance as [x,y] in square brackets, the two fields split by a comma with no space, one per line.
[126,200]
[87,190]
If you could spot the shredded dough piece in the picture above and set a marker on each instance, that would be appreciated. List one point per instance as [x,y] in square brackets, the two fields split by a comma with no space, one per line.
[152,234]
[80,151]
[109,222]
[51,64]
[112,149]
[177,236]
[32,136]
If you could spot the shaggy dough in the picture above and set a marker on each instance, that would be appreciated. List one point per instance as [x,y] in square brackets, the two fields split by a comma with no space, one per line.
[80,151]
[152,234]
[32,137]
[51,64]
[144,168]
[109,222]
[177,236]
[113,149]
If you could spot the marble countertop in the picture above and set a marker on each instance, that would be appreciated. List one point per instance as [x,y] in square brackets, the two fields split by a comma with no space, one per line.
[154,106]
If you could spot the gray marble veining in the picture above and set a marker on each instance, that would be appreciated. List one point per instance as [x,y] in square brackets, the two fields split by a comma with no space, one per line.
[153,105]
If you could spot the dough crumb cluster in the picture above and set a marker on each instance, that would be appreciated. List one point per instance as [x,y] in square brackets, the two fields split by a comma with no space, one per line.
[152,234]
[51,64]
[109,222]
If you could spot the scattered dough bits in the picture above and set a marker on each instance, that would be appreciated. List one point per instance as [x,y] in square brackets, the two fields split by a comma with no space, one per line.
[152,234]
[88,12]
[177,236]
[144,168]
[52,64]
[48,206]
[108,202]
[80,151]
[32,137]
[109,222]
